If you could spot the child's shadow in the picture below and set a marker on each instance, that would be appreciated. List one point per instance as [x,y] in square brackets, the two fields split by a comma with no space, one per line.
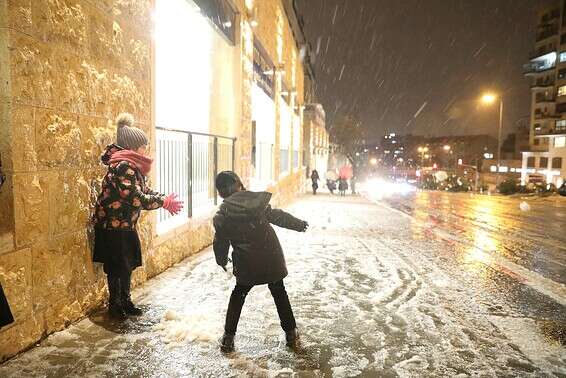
[133,324]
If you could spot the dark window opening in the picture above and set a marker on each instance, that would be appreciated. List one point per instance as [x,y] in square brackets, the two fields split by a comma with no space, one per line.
[531,161]
[264,70]
[557,163]
[543,163]
[221,13]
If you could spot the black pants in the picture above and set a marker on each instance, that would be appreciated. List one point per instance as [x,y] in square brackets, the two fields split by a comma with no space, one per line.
[280,297]
[119,283]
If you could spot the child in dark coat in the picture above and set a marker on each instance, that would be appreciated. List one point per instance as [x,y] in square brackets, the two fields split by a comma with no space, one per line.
[124,194]
[244,221]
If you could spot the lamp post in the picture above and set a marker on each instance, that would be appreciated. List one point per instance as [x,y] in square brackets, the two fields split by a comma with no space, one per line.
[488,99]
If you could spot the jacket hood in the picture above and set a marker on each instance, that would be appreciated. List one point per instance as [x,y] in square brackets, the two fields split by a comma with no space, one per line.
[245,205]
[108,152]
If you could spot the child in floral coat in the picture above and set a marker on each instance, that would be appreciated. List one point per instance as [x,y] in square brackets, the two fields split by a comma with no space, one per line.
[124,194]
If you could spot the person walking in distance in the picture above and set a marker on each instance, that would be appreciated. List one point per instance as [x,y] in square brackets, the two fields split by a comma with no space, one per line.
[123,195]
[314,178]
[244,221]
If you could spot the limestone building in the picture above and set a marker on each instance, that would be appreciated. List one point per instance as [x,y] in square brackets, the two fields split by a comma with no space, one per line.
[216,84]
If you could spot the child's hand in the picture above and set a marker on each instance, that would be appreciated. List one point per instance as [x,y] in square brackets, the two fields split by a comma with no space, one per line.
[172,204]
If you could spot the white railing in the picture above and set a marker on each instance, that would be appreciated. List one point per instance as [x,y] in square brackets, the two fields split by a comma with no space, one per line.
[187,164]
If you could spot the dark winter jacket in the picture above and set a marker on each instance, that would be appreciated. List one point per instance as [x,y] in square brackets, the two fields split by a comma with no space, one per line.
[342,184]
[124,194]
[243,221]
[5,313]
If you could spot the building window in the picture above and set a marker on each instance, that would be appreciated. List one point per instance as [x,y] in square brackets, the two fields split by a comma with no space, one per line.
[221,13]
[562,74]
[531,161]
[264,70]
[562,90]
[543,163]
[536,142]
[561,108]
[560,142]
[563,57]
[557,163]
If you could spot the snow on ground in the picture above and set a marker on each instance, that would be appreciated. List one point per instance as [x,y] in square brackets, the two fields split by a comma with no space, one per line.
[374,294]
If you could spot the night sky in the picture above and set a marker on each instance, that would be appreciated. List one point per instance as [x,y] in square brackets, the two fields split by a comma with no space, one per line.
[418,66]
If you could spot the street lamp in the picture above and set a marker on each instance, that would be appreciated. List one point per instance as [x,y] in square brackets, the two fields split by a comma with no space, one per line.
[373,161]
[488,99]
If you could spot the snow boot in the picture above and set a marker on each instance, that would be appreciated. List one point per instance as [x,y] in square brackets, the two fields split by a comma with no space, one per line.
[126,296]
[115,308]
[292,338]
[227,343]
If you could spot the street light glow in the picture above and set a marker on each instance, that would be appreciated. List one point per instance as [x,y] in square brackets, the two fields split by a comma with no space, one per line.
[488,98]
[446,148]
[373,161]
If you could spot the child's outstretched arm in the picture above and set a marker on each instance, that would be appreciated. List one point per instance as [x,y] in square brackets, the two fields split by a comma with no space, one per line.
[283,219]
[130,189]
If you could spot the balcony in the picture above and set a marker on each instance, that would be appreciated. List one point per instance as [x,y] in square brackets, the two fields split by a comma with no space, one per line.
[537,67]
[542,99]
[542,84]
[542,51]
[549,132]
[547,31]
[546,115]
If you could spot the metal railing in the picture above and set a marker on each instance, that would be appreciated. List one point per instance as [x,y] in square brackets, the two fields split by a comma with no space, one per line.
[187,163]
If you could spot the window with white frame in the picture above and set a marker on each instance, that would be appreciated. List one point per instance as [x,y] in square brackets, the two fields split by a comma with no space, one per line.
[562,90]
[263,115]
[188,50]
[284,135]
[296,139]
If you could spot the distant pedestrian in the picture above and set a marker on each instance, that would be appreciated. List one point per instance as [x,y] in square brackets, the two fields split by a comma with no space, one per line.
[123,195]
[331,185]
[244,221]
[314,178]
[353,185]
[342,186]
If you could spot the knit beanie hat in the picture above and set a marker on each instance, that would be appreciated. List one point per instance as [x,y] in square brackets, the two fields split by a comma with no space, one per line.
[227,183]
[128,136]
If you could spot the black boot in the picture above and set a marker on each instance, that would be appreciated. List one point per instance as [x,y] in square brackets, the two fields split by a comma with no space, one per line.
[126,297]
[227,343]
[292,338]
[115,308]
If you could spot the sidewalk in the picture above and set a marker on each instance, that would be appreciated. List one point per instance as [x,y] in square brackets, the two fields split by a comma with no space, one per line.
[367,303]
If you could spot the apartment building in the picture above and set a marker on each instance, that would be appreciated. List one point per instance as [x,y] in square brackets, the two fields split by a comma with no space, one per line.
[545,160]
[216,84]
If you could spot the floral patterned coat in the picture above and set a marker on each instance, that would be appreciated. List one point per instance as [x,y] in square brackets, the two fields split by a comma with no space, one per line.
[124,194]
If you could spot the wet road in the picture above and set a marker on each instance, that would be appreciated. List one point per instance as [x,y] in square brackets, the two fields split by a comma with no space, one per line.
[529,231]
[376,292]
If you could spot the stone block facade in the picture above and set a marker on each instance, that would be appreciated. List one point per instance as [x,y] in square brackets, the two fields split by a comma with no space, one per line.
[67,68]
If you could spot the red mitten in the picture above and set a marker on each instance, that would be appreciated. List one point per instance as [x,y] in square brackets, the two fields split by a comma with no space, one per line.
[172,204]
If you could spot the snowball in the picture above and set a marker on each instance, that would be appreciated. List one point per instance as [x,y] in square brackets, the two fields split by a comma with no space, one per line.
[524,206]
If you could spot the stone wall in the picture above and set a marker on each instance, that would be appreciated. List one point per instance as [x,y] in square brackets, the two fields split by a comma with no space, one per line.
[67,67]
